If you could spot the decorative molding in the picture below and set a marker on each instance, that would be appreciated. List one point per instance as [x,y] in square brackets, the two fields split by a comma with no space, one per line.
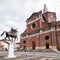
[52,28]
[30,35]
[46,31]
[24,37]
[35,34]
[41,32]
[34,20]
[57,29]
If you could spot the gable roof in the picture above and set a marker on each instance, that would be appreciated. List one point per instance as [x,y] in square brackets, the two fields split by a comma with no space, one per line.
[36,13]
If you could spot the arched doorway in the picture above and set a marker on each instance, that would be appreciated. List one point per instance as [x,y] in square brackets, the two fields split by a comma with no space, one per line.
[47,45]
[33,45]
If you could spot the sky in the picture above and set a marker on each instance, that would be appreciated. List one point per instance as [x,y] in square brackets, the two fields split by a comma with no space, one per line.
[13,13]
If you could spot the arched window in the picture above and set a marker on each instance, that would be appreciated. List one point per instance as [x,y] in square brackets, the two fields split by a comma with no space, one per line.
[33,25]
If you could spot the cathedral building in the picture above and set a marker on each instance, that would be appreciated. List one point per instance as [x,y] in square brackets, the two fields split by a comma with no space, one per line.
[42,31]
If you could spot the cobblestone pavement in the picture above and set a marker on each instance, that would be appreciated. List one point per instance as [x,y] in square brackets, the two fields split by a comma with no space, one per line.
[32,56]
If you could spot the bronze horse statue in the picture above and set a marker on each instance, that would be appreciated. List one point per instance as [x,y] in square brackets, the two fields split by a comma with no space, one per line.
[12,33]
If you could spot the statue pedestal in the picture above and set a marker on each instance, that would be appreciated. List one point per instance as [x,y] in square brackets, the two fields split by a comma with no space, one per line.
[10,50]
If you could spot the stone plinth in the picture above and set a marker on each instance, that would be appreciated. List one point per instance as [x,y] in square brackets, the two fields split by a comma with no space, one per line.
[10,50]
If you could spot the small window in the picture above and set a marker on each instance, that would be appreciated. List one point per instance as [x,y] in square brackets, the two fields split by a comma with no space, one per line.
[46,37]
[33,25]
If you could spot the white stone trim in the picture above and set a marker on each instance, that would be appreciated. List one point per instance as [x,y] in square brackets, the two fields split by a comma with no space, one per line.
[35,34]
[34,20]
[24,37]
[46,31]
[41,32]
[30,36]
[58,29]
[37,47]
[52,28]
[52,47]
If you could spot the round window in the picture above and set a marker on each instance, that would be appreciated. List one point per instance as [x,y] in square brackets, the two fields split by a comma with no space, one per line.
[46,37]
[33,25]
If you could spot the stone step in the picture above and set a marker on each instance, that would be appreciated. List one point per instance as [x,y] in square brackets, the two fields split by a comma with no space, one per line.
[38,50]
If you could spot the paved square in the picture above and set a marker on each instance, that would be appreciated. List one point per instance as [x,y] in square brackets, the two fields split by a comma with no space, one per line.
[32,56]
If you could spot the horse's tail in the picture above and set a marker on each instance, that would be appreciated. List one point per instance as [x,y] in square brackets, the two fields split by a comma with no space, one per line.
[3,33]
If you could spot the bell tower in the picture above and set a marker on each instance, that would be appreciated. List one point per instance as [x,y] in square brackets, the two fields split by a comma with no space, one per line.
[49,16]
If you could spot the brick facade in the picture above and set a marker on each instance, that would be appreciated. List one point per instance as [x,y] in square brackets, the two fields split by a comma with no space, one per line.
[42,32]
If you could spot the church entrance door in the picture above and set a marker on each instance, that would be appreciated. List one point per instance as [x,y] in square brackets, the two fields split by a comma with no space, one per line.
[47,45]
[33,45]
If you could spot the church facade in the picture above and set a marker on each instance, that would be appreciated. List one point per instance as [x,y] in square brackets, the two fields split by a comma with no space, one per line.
[42,31]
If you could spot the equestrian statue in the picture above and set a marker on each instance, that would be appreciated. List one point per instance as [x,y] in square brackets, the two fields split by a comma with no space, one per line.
[11,34]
